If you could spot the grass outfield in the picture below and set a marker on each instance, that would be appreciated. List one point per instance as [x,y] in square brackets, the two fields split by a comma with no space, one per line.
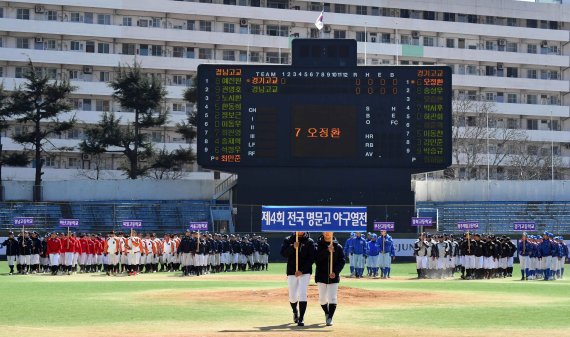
[255,304]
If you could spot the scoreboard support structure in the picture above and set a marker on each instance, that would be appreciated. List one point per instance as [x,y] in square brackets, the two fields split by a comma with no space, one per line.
[324,131]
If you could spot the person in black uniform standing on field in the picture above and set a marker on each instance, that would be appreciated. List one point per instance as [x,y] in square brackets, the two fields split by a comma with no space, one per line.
[328,280]
[11,251]
[298,280]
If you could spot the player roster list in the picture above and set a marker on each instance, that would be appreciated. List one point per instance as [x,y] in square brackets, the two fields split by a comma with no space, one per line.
[337,117]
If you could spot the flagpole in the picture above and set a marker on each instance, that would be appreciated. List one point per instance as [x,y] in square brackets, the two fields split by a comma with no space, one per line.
[365,42]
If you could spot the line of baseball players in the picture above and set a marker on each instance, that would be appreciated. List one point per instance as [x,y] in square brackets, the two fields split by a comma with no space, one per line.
[375,252]
[134,253]
[542,257]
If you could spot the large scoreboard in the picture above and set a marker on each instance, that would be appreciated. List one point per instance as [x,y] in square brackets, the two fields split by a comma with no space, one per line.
[299,116]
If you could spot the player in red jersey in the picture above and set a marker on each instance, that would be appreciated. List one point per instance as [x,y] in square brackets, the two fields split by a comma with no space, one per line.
[54,251]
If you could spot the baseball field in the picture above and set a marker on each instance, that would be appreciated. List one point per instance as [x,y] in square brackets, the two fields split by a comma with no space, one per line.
[255,304]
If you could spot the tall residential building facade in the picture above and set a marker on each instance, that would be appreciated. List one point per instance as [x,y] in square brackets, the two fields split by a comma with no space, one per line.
[513,55]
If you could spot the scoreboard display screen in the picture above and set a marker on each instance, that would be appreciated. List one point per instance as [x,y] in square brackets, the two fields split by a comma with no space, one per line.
[366,116]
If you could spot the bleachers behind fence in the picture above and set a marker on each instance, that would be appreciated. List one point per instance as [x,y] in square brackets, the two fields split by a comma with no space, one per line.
[158,216]
[498,217]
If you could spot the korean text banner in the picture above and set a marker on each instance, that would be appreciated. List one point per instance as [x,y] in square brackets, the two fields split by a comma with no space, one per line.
[524,226]
[68,222]
[468,225]
[198,226]
[426,222]
[313,219]
[384,226]
[132,223]
[20,222]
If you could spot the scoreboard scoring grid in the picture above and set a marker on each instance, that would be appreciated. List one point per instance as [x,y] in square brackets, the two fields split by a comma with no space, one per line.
[369,116]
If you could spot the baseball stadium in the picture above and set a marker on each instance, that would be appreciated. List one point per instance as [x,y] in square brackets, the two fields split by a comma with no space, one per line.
[284,168]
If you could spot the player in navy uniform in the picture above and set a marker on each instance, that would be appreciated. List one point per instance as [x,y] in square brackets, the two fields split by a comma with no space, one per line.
[298,280]
[11,251]
[326,279]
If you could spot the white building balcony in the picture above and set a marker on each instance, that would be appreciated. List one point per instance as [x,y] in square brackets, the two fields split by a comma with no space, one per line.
[510,82]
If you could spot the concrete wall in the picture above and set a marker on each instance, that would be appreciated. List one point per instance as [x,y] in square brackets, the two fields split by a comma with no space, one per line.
[494,190]
[99,190]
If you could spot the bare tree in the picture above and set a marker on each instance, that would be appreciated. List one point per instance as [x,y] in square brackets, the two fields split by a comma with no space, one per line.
[476,125]
[533,161]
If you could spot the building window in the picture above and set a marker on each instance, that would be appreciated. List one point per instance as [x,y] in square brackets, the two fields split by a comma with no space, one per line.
[103,48]
[178,80]
[90,47]
[531,23]
[190,24]
[490,96]
[73,74]
[489,45]
[128,49]
[229,28]
[553,25]
[449,17]
[75,17]
[340,34]
[205,54]
[531,99]
[472,18]
[22,43]
[512,72]
[360,36]
[490,20]
[104,76]
[361,10]
[254,29]
[281,4]
[178,51]
[512,98]
[23,14]
[314,33]
[86,104]
[51,45]
[274,30]
[205,26]
[73,163]
[532,149]
[228,55]
[429,15]
[512,123]
[178,107]
[531,73]
[450,43]
[274,57]
[339,8]
[511,22]
[190,53]
[74,134]
[104,19]
[255,56]
[50,73]
[512,47]
[429,41]
[531,49]
[156,50]
[48,161]
[52,15]
[102,105]
[127,21]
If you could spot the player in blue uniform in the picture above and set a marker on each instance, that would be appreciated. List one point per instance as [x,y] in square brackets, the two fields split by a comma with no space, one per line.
[387,253]
[373,254]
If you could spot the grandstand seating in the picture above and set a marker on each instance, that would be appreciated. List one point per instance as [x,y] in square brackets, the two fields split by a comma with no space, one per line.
[157,216]
[498,217]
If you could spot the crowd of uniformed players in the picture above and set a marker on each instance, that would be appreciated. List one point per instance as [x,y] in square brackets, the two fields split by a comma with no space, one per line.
[478,256]
[192,253]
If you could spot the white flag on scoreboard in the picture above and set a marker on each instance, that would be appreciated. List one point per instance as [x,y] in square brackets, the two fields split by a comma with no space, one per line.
[319,22]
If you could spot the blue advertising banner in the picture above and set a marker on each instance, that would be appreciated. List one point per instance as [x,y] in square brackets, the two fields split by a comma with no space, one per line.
[198,226]
[313,219]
